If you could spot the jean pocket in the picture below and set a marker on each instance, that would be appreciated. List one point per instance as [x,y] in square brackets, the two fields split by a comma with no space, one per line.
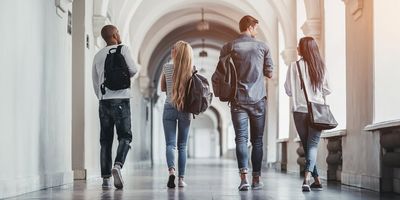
[169,113]
[122,110]
[236,108]
[259,107]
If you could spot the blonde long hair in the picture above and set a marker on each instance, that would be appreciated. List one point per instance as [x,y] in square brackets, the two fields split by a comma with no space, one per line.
[183,67]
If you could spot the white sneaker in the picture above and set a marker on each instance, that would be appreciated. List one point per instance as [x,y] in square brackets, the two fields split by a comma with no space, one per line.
[116,172]
[257,186]
[181,183]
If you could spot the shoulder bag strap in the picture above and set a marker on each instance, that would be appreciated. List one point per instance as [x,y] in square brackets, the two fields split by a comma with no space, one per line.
[303,87]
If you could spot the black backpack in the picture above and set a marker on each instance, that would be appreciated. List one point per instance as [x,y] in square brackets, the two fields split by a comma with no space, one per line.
[198,96]
[116,72]
[224,79]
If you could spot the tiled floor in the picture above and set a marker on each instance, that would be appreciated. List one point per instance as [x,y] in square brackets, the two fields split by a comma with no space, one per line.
[206,179]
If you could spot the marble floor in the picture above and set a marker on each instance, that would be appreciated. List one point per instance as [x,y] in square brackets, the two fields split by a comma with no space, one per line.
[206,179]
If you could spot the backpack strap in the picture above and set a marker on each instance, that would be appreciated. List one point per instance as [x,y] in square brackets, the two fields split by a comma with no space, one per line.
[235,72]
[231,49]
[119,49]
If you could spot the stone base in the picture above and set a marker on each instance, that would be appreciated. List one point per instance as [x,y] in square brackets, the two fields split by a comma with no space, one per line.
[362,181]
[80,174]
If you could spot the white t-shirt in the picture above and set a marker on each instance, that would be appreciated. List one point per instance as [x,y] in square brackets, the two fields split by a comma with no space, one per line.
[293,87]
[98,73]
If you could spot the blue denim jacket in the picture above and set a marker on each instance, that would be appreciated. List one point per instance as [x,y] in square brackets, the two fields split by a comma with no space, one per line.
[253,61]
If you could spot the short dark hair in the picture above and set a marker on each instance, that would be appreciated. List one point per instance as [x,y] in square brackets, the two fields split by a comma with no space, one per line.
[107,32]
[246,22]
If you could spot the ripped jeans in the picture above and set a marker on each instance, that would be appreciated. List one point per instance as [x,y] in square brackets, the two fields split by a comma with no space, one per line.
[114,112]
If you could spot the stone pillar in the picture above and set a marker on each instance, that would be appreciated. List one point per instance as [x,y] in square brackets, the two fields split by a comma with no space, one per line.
[282,155]
[361,151]
[334,158]
[290,55]
[301,160]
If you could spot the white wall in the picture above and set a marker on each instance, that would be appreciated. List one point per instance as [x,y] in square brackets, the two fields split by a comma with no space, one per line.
[35,81]
[204,143]
[386,60]
[335,58]
[204,136]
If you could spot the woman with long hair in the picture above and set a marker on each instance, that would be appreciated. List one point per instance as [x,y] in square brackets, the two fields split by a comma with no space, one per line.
[313,71]
[173,82]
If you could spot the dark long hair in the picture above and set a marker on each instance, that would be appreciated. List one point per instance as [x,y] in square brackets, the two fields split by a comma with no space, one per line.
[308,49]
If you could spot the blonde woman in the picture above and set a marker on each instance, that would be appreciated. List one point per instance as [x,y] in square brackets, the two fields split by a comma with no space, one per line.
[173,82]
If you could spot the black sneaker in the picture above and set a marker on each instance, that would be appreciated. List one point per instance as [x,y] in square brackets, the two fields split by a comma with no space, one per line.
[317,187]
[305,187]
[171,181]
[106,183]
[244,185]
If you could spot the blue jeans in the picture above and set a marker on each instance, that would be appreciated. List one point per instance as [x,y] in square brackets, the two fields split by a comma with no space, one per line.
[241,116]
[171,118]
[114,112]
[309,138]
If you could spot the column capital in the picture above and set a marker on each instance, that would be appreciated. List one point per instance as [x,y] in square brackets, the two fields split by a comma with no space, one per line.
[356,7]
[98,22]
[312,27]
[289,55]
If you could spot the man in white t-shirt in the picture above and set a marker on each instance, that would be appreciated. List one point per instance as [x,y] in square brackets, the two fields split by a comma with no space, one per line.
[114,108]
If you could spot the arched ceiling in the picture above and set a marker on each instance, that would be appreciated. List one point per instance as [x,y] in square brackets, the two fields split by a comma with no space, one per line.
[135,18]
[215,37]
[152,26]
[170,21]
[154,19]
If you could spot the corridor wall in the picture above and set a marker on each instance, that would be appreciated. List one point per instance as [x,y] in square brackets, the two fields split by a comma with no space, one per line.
[35,109]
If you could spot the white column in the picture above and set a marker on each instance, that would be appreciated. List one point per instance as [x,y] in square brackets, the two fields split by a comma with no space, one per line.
[78,90]
[360,162]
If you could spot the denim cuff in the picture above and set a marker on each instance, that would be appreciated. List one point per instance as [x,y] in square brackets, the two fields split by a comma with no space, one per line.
[243,170]
[256,174]
[106,176]
[119,163]
[169,168]
[312,173]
